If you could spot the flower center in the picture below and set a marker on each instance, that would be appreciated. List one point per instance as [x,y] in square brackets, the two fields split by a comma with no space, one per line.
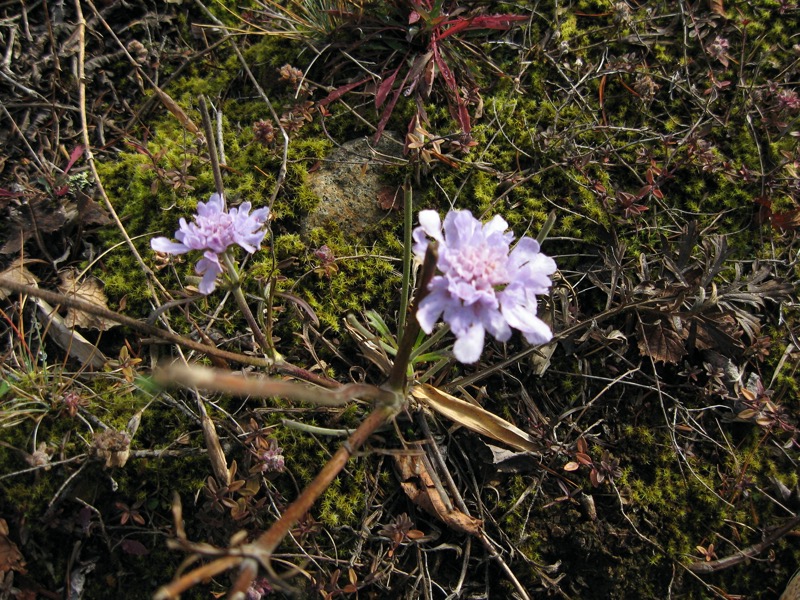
[482,266]
[217,231]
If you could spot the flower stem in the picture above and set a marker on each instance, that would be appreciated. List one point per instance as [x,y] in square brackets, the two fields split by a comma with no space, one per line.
[397,378]
[405,289]
[233,275]
[212,146]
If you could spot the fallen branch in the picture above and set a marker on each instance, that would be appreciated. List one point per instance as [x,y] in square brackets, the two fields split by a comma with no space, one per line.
[712,566]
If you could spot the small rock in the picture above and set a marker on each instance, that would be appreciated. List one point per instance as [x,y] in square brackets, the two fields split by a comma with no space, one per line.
[349,184]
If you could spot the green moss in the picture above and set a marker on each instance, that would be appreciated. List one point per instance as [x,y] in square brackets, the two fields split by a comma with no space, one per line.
[543,144]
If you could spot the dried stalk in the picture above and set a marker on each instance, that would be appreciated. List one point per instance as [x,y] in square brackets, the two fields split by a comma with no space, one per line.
[262,548]
[57,299]
[702,566]
[262,387]
[151,278]
[77,303]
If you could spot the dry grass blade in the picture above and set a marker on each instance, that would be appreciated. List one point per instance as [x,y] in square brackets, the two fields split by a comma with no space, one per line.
[474,418]
[71,341]
[176,111]
[219,465]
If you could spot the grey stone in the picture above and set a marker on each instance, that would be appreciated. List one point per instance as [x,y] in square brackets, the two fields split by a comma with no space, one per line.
[349,184]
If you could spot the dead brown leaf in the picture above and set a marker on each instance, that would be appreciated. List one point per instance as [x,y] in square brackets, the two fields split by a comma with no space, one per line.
[11,558]
[717,7]
[661,342]
[88,289]
[26,218]
[419,487]
[90,212]
[17,273]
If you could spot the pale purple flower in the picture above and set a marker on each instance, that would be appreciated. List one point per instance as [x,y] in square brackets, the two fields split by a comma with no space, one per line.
[788,100]
[719,49]
[213,231]
[484,284]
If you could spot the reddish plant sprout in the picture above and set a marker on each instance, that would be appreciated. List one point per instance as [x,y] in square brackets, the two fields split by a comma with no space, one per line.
[138,51]
[462,144]
[307,527]
[130,513]
[260,588]
[40,457]
[757,406]
[327,261]
[718,49]
[607,469]
[71,403]
[432,32]
[400,531]
[788,101]
[269,456]
[293,119]
[264,132]
[294,77]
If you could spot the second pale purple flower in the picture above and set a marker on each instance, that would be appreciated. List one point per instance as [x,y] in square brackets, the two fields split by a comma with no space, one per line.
[484,284]
[214,230]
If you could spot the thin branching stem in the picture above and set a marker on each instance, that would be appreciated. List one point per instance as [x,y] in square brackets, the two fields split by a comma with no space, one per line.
[77,303]
[238,294]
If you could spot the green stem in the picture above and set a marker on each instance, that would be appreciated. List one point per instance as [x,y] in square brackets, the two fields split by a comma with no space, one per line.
[212,146]
[398,378]
[405,289]
[236,288]
[430,342]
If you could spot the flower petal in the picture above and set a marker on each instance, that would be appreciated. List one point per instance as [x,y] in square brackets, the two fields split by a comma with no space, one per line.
[214,206]
[460,228]
[468,346]
[539,333]
[432,307]
[162,244]
[208,266]
[519,310]
[525,251]
[496,324]
[431,224]
[497,225]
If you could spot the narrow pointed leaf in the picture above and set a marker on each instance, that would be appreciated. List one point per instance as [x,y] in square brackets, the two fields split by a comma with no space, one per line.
[475,418]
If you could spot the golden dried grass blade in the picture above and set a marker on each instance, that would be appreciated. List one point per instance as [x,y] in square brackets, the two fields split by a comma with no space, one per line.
[176,111]
[475,418]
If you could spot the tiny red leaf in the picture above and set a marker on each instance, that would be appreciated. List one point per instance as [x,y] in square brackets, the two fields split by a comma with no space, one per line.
[384,88]
[133,547]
